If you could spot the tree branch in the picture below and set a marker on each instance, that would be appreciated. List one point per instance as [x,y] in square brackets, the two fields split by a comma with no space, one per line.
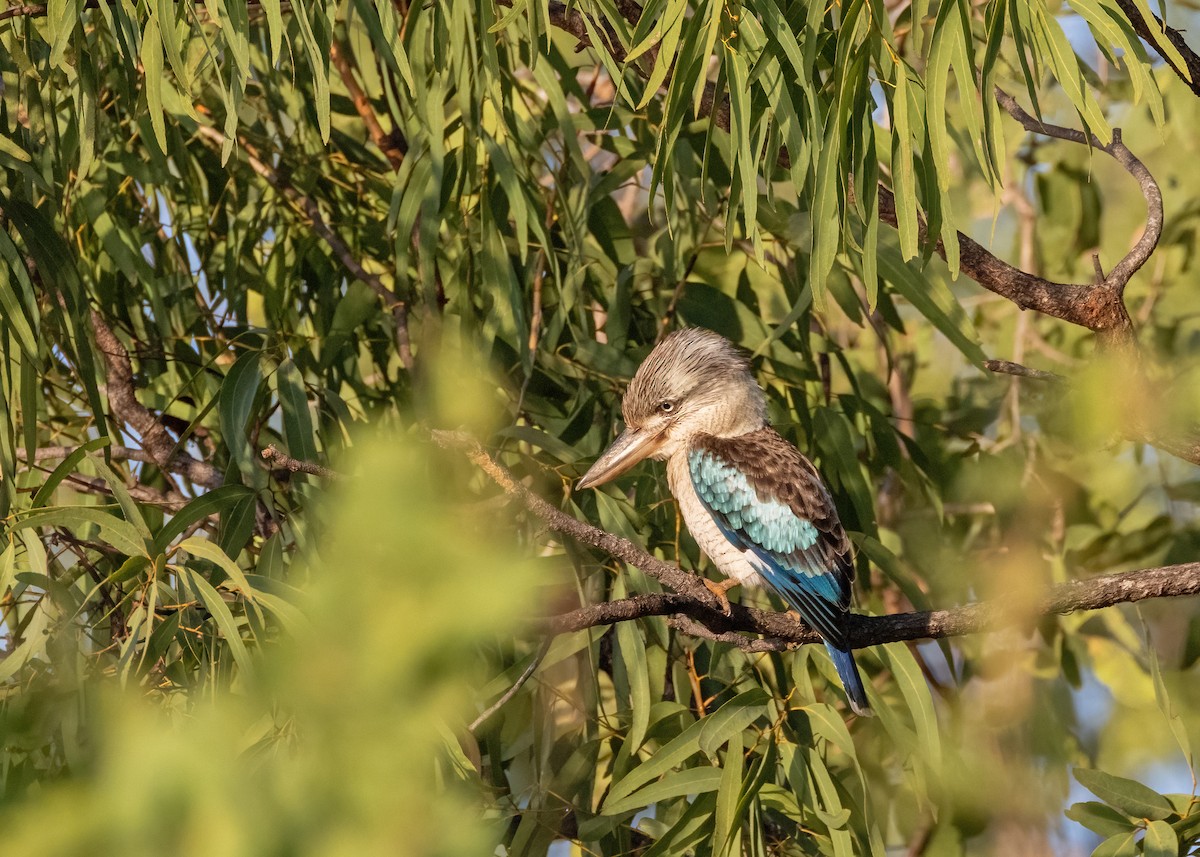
[1007,367]
[782,632]
[393,145]
[172,501]
[295,465]
[664,572]
[1119,276]
[116,453]
[126,408]
[1190,58]
[695,610]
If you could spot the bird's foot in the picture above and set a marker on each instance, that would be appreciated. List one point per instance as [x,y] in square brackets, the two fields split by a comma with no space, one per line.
[796,617]
[720,590]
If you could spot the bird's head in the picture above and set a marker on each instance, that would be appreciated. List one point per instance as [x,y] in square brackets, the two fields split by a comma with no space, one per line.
[693,382]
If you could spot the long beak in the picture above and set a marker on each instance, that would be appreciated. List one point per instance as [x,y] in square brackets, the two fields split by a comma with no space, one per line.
[627,450]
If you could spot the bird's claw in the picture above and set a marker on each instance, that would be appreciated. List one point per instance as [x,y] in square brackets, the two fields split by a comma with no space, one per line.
[720,590]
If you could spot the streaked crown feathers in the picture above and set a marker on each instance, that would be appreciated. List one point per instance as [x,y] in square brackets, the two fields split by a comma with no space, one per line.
[689,364]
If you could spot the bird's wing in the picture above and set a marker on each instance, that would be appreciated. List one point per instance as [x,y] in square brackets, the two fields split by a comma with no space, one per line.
[768,498]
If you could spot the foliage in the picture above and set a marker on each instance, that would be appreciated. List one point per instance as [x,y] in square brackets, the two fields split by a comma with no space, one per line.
[300,218]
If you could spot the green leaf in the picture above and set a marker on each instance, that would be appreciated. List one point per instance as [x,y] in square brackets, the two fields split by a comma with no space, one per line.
[674,752]
[216,606]
[215,502]
[152,63]
[694,826]
[1128,796]
[1118,845]
[17,301]
[9,147]
[118,533]
[731,718]
[235,405]
[274,14]
[204,549]
[825,219]
[318,65]
[7,566]
[1099,818]
[919,700]
[1162,42]
[1160,840]
[689,781]
[631,647]
[297,420]
[726,820]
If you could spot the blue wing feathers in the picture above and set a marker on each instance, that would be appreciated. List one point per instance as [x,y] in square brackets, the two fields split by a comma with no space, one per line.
[768,527]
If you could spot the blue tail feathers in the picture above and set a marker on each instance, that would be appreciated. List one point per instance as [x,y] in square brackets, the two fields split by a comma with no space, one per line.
[848,672]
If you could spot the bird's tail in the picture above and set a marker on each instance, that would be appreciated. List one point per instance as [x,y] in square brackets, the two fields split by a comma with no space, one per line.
[847,670]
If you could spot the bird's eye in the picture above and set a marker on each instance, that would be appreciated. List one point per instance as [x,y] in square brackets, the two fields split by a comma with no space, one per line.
[666,407]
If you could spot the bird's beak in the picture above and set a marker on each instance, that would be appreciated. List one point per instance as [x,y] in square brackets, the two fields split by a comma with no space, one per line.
[628,449]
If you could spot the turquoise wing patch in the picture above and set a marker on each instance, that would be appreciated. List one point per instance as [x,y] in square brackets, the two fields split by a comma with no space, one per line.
[782,541]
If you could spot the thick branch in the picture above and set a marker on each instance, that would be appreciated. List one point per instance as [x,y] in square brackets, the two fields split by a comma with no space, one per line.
[695,609]
[161,447]
[1061,300]
[116,453]
[666,573]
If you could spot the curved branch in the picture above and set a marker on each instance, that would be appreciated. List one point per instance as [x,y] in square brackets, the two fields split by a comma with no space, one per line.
[694,610]
[1119,276]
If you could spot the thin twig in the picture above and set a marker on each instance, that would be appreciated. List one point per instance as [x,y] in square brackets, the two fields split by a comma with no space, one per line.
[172,501]
[1007,367]
[295,465]
[538,657]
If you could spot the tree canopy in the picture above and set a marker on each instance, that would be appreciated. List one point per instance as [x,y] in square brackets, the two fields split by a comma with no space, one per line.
[311,313]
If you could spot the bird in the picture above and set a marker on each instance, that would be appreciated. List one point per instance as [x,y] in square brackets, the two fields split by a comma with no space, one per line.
[755,504]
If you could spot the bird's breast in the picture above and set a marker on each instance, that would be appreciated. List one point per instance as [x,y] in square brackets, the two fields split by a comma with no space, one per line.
[729,559]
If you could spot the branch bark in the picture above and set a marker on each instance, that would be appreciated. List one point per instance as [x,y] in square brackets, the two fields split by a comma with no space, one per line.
[126,408]
[694,610]
[393,145]
[295,465]
[1190,58]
